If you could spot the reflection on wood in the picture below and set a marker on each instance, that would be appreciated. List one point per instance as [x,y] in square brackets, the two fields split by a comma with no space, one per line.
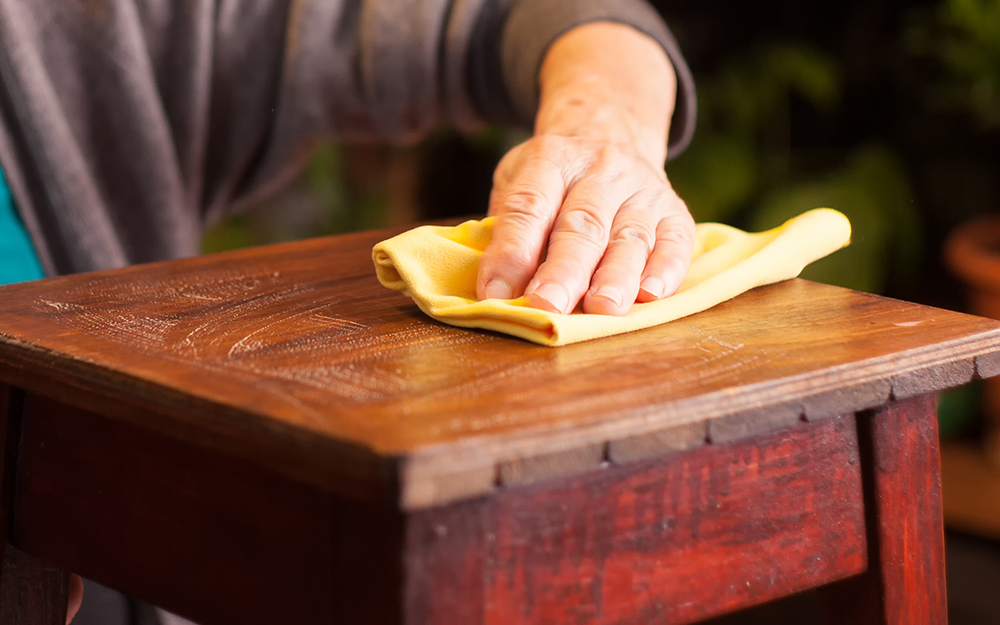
[295,356]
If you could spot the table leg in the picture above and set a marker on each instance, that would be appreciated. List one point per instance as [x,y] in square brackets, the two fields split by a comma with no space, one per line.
[31,591]
[905,583]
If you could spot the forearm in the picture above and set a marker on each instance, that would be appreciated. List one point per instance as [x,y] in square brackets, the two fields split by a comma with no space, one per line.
[610,83]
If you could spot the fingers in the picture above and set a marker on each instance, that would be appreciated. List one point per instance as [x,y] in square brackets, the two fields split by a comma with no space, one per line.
[648,254]
[75,599]
[615,284]
[578,242]
[609,226]
[525,208]
[671,258]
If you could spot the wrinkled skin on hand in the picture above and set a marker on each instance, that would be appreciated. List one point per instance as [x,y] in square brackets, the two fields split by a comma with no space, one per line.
[585,215]
[75,598]
[609,225]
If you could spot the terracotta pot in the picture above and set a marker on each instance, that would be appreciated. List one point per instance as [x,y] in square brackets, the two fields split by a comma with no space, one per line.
[973,254]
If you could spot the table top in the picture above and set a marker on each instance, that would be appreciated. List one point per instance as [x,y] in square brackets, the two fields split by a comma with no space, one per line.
[293,356]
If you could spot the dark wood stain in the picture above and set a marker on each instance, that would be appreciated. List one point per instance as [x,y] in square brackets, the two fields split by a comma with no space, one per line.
[210,536]
[294,357]
[270,436]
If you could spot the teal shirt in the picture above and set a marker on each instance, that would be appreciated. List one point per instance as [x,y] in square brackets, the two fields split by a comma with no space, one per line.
[18,260]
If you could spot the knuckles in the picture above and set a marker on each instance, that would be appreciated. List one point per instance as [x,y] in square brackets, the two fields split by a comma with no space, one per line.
[652,219]
[519,256]
[587,221]
[634,233]
[525,204]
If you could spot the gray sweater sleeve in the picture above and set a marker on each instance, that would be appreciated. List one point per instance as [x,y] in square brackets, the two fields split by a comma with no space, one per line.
[127,125]
[400,68]
[514,37]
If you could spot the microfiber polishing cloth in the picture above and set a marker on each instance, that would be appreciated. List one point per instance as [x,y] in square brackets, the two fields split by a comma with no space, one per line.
[436,266]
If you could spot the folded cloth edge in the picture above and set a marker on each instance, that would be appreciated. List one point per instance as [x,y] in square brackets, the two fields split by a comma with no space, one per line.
[785,252]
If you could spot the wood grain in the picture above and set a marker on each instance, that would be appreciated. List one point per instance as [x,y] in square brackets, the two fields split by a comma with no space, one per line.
[446,561]
[31,592]
[671,540]
[932,379]
[847,400]
[908,491]
[547,466]
[293,357]
[655,444]
[746,424]
[988,365]
[650,538]
[203,534]
[906,580]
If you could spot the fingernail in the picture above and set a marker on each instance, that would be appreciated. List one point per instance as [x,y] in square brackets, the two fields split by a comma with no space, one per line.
[611,294]
[555,295]
[653,286]
[498,289]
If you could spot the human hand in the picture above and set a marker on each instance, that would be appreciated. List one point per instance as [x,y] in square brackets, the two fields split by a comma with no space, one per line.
[75,597]
[584,211]
[611,228]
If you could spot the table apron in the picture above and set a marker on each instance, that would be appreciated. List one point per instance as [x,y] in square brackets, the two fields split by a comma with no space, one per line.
[220,540]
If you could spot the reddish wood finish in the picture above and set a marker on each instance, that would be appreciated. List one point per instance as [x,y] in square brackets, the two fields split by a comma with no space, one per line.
[906,583]
[270,436]
[295,358]
[672,540]
[231,543]
[907,464]
[31,592]
[209,536]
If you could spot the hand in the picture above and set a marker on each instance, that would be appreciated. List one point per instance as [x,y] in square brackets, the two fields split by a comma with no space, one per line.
[613,229]
[584,211]
[75,598]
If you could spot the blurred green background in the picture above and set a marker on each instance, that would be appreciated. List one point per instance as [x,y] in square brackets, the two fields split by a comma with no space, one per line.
[888,111]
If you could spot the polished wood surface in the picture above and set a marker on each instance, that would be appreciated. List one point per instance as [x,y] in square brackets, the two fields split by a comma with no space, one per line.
[269,435]
[294,357]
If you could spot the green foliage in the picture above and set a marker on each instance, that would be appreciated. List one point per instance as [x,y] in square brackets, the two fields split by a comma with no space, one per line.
[743,145]
[750,95]
[963,36]
[323,200]
[716,176]
[742,167]
[231,234]
[873,190]
[341,208]
[959,410]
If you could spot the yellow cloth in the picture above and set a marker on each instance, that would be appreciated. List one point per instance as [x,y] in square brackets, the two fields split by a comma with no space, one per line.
[436,266]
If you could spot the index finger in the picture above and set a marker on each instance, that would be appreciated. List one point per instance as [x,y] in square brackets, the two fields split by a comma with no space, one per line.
[525,209]
[578,241]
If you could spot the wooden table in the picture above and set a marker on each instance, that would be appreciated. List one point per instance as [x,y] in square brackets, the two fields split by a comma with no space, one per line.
[269,436]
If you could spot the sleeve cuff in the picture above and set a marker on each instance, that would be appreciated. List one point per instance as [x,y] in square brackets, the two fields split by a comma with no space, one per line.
[533,25]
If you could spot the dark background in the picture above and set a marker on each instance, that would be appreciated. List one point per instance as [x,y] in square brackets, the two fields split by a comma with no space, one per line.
[888,111]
